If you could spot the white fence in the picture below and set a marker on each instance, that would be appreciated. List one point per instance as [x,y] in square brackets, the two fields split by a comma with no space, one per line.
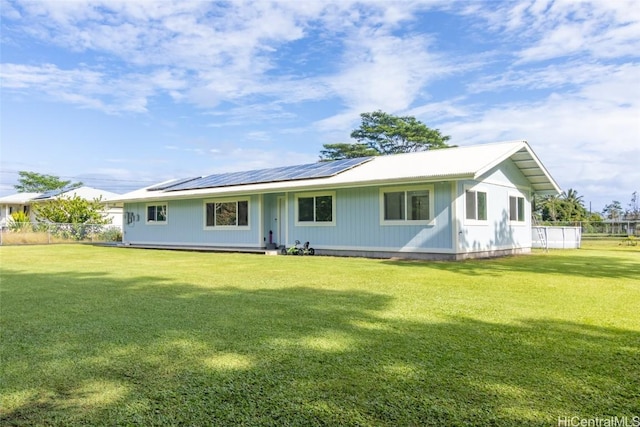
[28,233]
[547,237]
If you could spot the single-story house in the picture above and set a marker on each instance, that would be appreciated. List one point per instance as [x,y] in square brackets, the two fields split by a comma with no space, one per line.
[454,203]
[19,202]
[24,201]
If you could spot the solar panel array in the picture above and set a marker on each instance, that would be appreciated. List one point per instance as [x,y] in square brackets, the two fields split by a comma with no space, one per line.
[49,193]
[53,193]
[286,173]
[170,184]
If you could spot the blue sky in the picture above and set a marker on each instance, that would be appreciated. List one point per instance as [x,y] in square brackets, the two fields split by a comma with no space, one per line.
[122,94]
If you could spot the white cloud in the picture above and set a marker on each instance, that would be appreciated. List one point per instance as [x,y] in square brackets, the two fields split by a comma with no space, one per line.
[90,88]
[554,29]
[225,51]
[242,159]
[562,74]
[587,139]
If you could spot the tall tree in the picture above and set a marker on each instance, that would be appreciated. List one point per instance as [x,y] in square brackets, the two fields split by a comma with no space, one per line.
[381,133]
[634,207]
[573,206]
[33,182]
[613,211]
[550,208]
[342,151]
[389,134]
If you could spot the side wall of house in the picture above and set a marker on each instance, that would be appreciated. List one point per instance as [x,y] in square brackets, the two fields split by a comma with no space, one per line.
[185,225]
[499,232]
[359,225]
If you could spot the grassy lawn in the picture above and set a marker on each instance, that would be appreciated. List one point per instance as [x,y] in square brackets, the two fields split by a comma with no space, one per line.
[110,336]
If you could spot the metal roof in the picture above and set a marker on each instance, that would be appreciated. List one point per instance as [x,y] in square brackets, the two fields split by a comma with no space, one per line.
[286,173]
[83,192]
[466,162]
[18,198]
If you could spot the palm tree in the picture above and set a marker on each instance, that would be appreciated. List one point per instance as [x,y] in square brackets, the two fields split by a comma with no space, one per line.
[550,205]
[574,205]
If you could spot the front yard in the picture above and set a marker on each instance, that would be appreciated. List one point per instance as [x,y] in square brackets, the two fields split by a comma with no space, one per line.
[112,336]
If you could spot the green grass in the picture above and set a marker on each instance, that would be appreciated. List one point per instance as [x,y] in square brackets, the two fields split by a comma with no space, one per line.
[110,336]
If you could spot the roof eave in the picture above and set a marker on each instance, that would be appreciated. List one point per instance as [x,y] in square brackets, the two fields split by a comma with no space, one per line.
[510,153]
[238,190]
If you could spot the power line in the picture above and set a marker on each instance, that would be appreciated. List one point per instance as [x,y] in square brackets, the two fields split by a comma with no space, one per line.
[89,178]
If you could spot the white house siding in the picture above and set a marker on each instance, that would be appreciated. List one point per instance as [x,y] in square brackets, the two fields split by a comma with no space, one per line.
[498,232]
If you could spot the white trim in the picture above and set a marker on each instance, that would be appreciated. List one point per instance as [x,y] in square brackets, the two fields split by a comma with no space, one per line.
[385,249]
[314,195]
[261,235]
[226,227]
[456,224]
[476,188]
[195,244]
[517,194]
[404,188]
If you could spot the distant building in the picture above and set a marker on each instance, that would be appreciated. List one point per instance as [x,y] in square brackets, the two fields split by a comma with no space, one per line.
[23,202]
[19,202]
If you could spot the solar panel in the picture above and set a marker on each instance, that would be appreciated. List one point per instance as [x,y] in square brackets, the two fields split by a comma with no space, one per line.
[53,193]
[285,173]
[171,184]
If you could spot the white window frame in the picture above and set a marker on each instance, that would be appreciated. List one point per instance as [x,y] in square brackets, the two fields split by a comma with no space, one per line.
[524,209]
[476,190]
[154,221]
[235,200]
[407,189]
[315,223]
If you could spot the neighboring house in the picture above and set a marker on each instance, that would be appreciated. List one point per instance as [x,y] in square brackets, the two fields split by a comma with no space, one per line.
[453,203]
[25,201]
[14,203]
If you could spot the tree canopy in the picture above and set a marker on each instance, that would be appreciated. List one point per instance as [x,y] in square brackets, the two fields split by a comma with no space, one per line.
[33,182]
[569,206]
[613,211]
[381,133]
[71,210]
[341,151]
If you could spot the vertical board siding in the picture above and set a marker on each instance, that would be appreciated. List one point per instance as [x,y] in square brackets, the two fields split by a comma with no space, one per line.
[358,224]
[498,232]
[185,225]
[270,213]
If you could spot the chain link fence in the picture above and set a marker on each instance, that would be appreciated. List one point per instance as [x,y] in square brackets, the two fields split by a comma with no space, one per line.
[27,233]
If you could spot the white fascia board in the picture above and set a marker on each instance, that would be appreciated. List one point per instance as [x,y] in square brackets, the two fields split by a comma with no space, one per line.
[306,185]
[517,146]
[513,150]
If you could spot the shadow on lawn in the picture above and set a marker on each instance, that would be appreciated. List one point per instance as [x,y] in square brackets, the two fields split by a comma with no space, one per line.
[581,265]
[92,350]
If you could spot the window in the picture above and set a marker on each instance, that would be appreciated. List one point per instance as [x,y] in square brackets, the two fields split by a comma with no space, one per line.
[227,213]
[406,206]
[516,208]
[156,214]
[315,209]
[476,205]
